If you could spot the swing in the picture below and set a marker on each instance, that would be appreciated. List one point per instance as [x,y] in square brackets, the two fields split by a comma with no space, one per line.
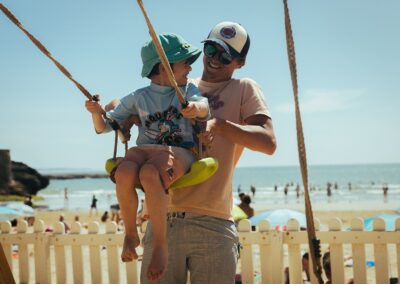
[199,172]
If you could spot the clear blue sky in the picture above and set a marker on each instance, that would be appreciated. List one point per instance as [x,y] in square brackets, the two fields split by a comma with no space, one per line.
[347,57]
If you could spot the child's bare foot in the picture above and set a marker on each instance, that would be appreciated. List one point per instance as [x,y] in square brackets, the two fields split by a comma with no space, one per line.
[158,263]
[128,249]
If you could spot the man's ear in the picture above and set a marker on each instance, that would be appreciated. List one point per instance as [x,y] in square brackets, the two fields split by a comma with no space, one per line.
[241,62]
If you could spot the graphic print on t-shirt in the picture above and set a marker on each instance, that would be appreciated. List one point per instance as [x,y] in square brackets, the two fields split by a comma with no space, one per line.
[163,128]
[214,101]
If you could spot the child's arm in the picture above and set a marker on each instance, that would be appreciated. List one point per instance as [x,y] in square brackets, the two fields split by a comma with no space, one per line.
[96,110]
[197,109]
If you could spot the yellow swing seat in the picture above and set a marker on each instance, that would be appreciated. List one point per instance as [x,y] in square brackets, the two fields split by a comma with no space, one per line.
[199,172]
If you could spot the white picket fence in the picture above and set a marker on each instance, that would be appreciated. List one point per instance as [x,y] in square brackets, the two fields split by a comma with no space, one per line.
[79,257]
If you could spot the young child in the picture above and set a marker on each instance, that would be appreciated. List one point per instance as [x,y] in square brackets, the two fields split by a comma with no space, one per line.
[164,144]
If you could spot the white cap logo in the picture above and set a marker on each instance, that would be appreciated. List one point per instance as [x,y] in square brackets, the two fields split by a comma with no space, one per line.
[228,32]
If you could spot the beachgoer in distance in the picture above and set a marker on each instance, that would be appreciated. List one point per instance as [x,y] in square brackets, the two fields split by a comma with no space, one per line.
[93,206]
[245,206]
[202,236]
[104,217]
[166,142]
[61,219]
[114,208]
[253,190]
[66,193]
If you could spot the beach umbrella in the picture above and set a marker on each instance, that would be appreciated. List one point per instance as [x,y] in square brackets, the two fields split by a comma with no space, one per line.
[279,217]
[7,213]
[390,221]
[237,213]
[23,209]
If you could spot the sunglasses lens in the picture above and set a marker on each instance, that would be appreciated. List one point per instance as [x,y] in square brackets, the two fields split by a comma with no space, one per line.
[225,58]
[210,50]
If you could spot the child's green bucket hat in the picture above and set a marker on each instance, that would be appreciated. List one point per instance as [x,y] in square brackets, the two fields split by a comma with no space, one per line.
[175,47]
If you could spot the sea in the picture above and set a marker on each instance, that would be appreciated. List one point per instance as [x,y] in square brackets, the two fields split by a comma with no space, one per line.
[352,187]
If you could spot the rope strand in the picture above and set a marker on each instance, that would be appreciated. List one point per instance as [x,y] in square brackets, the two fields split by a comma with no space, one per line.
[313,242]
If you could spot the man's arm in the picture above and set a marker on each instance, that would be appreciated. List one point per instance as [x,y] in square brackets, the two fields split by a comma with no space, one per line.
[257,134]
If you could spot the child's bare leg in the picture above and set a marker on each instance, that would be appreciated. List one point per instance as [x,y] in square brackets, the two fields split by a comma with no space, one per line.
[157,205]
[126,177]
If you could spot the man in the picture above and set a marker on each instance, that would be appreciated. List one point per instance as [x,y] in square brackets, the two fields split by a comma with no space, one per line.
[202,236]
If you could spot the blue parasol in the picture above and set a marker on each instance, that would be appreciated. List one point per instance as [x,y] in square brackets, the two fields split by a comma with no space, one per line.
[279,217]
[7,213]
[21,207]
[390,221]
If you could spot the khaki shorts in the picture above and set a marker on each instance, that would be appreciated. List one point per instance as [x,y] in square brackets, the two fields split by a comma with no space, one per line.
[171,162]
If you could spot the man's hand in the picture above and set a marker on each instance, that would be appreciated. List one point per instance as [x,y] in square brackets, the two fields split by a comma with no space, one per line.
[211,129]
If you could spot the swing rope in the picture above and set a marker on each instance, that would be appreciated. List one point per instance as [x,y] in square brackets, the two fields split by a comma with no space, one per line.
[64,70]
[313,242]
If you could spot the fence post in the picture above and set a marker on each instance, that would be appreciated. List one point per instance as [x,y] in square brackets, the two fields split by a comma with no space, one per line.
[23,256]
[42,253]
[358,250]
[336,252]
[295,258]
[59,251]
[112,254]
[265,251]
[381,253]
[94,252]
[76,250]
[246,252]
[277,256]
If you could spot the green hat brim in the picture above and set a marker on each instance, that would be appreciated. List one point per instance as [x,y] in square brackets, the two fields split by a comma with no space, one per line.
[192,54]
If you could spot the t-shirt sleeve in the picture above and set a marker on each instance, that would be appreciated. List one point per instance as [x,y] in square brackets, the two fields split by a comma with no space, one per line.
[253,101]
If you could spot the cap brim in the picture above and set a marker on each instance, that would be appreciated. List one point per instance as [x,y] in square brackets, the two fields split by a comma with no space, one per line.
[220,42]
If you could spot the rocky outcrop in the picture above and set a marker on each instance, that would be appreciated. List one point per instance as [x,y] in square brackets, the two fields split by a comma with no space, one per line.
[18,178]
[26,180]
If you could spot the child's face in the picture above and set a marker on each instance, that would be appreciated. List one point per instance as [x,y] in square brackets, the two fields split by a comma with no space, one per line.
[181,71]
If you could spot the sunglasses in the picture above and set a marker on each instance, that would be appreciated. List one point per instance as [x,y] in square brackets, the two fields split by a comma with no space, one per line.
[211,50]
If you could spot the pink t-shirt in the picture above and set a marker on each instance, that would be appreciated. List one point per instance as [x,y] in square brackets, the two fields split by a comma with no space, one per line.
[233,100]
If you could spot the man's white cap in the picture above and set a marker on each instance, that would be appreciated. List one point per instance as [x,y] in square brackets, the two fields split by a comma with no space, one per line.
[232,37]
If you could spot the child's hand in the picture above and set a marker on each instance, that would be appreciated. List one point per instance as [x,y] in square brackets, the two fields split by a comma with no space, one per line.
[93,107]
[191,111]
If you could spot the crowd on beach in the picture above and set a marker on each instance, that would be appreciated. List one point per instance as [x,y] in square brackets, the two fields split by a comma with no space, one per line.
[330,188]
